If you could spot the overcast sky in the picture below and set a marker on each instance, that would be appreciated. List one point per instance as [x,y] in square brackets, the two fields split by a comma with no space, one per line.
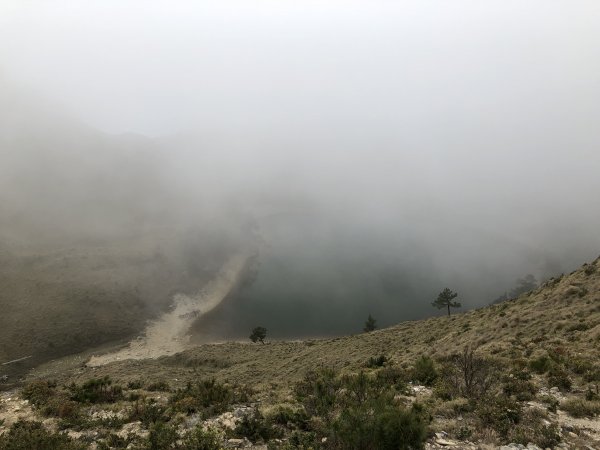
[434,69]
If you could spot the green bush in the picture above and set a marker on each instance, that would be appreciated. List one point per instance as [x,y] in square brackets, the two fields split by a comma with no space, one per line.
[24,435]
[208,397]
[381,427]
[255,428]
[378,361]
[62,407]
[558,376]
[160,386]
[358,388]
[424,371]
[288,417]
[533,429]
[444,389]
[148,412]
[135,384]
[43,395]
[317,391]
[96,390]
[521,389]
[592,394]
[299,440]
[392,377]
[201,439]
[114,441]
[163,437]
[541,365]
[499,413]
[592,375]
[580,366]
[38,392]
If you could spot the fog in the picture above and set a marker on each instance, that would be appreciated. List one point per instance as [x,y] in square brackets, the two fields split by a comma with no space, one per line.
[368,154]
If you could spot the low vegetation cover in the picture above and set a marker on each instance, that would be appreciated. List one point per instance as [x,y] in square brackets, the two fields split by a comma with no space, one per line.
[514,386]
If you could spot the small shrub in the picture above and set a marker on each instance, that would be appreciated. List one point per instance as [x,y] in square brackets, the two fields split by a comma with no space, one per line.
[550,402]
[467,374]
[378,361]
[444,389]
[135,384]
[580,366]
[24,435]
[62,407]
[43,395]
[592,394]
[578,407]
[158,386]
[464,433]
[114,441]
[317,391]
[208,397]
[148,412]
[38,392]
[302,440]
[521,389]
[580,326]
[382,427]
[533,429]
[162,437]
[424,371]
[540,365]
[499,413]
[558,354]
[392,377]
[255,428]
[289,417]
[96,390]
[558,376]
[201,439]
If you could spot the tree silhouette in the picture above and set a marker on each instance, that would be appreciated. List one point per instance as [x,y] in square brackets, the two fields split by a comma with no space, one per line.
[444,300]
[258,334]
[370,324]
[526,284]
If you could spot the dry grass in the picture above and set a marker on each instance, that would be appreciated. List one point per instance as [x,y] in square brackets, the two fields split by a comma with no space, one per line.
[552,318]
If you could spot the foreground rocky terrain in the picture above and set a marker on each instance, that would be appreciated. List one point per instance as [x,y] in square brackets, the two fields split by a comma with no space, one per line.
[524,373]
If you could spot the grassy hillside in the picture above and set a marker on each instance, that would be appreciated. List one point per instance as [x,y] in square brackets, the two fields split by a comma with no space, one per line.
[535,375]
[58,300]
[565,312]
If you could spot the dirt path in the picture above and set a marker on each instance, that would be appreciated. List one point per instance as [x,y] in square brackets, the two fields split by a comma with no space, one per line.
[169,334]
[589,428]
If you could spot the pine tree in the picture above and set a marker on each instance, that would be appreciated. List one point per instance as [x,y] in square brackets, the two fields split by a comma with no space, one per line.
[370,324]
[444,300]
[258,334]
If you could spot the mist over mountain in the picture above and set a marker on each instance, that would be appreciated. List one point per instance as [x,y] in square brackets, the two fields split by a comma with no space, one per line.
[361,174]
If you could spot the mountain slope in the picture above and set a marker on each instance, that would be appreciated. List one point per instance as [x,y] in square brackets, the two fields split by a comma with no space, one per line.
[540,351]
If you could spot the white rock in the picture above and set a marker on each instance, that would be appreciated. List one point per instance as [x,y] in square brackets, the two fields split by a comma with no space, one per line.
[446,442]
